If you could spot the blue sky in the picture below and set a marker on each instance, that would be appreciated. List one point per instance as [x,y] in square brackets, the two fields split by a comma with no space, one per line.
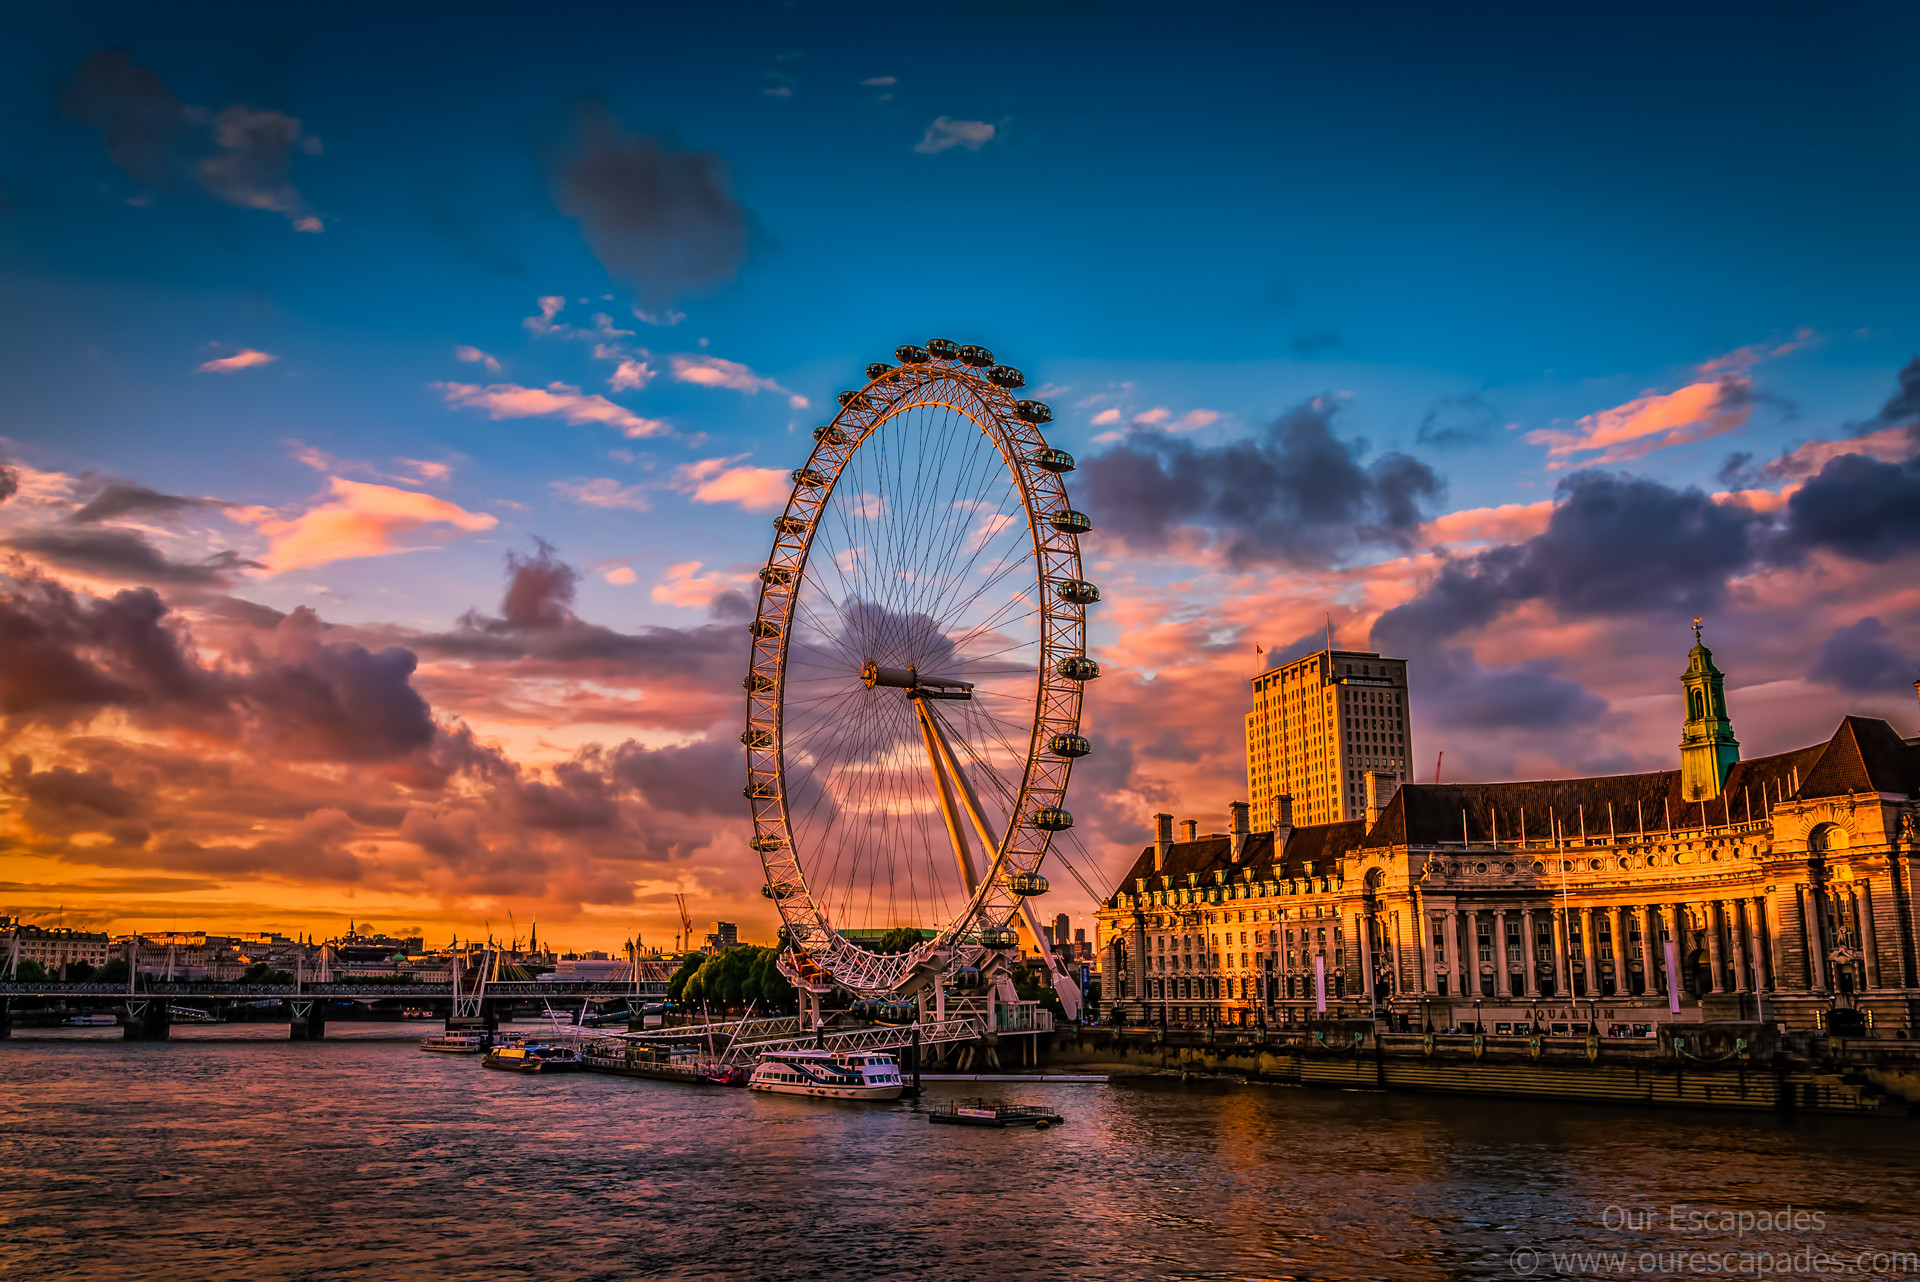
[1508,223]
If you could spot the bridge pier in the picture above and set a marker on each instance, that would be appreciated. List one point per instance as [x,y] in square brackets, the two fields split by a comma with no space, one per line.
[6,1018]
[148,1020]
[309,1022]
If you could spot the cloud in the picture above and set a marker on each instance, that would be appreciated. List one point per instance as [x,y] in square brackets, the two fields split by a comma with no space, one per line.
[1293,492]
[9,480]
[252,167]
[1654,421]
[556,400]
[631,375]
[944,133]
[878,81]
[120,499]
[148,131]
[1860,507]
[717,480]
[621,574]
[1862,658]
[1456,422]
[664,222]
[360,520]
[245,358]
[604,492]
[711,371]
[142,120]
[1106,416]
[684,585]
[125,556]
[473,356]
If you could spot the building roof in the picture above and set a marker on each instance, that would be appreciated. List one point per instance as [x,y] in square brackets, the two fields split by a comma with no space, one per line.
[1310,852]
[1864,755]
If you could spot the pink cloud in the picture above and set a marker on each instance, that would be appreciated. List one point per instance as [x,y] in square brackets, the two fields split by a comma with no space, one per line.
[685,586]
[712,371]
[473,355]
[604,492]
[622,574]
[716,480]
[945,132]
[360,520]
[555,400]
[1507,523]
[245,358]
[631,375]
[1653,421]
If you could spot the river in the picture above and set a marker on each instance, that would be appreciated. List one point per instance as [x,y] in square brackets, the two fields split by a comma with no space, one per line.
[230,1152]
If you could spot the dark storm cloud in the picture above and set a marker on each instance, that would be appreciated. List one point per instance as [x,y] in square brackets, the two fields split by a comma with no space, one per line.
[1455,422]
[1614,543]
[662,221]
[9,481]
[537,622]
[127,557]
[142,120]
[1862,657]
[699,778]
[338,702]
[1857,506]
[1455,690]
[1903,407]
[254,163]
[1294,492]
[119,500]
[68,656]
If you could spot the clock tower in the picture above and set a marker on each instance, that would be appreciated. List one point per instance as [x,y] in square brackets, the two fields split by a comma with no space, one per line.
[1707,746]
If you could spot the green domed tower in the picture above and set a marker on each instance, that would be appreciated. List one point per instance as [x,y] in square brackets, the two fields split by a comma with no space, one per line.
[1707,746]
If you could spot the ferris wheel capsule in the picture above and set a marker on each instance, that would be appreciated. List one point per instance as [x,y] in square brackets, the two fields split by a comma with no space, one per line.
[806,476]
[1076,591]
[852,396]
[757,683]
[1055,461]
[879,369]
[778,890]
[789,525]
[1068,521]
[976,356]
[759,790]
[908,354]
[943,349]
[755,737]
[1027,884]
[964,978]
[1078,667]
[999,938]
[1052,819]
[1069,745]
[765,629]
[775,574]
[766,843]
[1035,412]
[1006,376]
[830,434]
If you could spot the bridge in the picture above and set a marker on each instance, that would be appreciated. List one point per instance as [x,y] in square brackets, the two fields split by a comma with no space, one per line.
[148,1014]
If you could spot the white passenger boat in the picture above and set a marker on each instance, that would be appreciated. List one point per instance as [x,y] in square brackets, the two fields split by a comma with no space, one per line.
[457,1043]
[848,1075]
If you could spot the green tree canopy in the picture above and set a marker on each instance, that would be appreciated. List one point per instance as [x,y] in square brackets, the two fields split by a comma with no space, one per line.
[898,940]
[735,978]
[676,987]
[113,972]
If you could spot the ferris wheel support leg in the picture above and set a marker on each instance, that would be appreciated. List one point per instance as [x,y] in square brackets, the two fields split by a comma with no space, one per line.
[930,733]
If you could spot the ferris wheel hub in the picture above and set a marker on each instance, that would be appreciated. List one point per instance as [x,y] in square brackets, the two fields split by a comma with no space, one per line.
[917,686]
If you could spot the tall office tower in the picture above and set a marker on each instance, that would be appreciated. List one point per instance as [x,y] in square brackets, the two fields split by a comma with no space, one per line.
[1318,725]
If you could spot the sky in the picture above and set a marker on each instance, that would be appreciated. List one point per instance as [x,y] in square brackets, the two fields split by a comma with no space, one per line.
[395,406]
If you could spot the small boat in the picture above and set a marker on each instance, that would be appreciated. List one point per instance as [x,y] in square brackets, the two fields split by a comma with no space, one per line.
[995,1114]
[91,1021]
[845,1075]
[737,1075]
[534,1058]
[456,1043]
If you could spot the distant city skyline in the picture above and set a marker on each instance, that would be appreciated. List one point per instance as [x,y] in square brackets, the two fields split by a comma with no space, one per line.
[393,427]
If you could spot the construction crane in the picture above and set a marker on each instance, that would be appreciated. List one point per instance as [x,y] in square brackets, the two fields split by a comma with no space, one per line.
[686,923]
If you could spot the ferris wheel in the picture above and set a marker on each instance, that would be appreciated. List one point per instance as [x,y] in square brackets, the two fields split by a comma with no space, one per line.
[919,660]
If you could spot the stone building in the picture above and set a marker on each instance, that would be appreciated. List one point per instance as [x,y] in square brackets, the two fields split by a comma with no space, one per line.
[1317,725]
[1778,888]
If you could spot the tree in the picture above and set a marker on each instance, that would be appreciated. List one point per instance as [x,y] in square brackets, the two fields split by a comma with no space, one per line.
[899,940]
[29,972]
[263,973]
[79,972]
[114,972]
[736,978]
[677,986]
[1036,986]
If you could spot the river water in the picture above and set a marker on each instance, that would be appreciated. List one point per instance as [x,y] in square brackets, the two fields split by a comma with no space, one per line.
[230,1152]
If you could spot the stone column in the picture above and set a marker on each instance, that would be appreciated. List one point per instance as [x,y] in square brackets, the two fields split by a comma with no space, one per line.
[1762,977]
[1455,983]
[1562,973]
[1650,923]
[1715,958]
[1622,981]
[1735,913]
[1527,958]
[1812,937]
[1360,923]
[1501,983]
[1869,947]
[1393,948]
[1676,915]
[1422,944]
[1587,955]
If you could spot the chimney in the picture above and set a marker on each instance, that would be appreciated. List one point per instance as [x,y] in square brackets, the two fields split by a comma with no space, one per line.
[1381,785]
[1162,838]
[1282,823]
[1237,825]
[1189,830]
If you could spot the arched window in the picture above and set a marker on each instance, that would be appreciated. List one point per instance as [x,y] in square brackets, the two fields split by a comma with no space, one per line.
[1695,711]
